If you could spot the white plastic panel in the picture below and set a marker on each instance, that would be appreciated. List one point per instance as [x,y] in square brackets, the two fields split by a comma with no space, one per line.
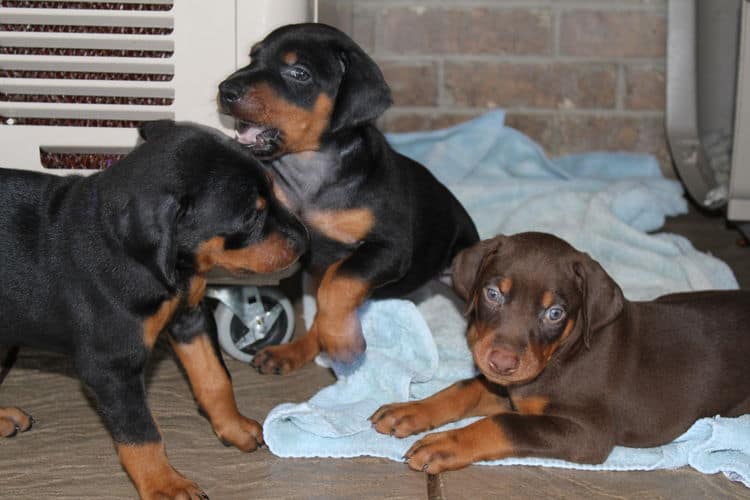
[203,41]
[84,17]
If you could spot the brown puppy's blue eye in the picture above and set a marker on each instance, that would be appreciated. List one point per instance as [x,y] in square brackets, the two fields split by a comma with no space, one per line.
[494,295]
[554,314]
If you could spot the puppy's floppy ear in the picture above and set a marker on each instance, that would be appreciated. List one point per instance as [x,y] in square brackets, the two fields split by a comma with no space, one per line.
[467,265]
[601,298]
[363,94]
[147,227]
[152,130]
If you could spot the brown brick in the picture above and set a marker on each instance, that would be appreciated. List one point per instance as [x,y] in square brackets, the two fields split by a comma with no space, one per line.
[645,88]
[613,33]
[412,83]
[555,85]
[540,128]
[336,13]
[356,21]
[567,134]
[470,30]
[396,120]
[610,133]
[363,27]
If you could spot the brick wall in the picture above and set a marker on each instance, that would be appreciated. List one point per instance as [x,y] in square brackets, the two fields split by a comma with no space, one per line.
[575,75]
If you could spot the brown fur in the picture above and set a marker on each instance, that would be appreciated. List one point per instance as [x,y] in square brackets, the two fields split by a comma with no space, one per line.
[611,372]
[153,476]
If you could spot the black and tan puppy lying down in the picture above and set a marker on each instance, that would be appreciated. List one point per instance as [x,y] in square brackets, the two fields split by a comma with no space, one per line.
[569,367]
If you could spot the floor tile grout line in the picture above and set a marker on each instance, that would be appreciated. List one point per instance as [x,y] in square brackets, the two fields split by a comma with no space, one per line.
[435,487]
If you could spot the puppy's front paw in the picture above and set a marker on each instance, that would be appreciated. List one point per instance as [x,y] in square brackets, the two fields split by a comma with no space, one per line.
[440,451]
[402,419]
[13,421]
[278,359]
[172,486]
[241,432]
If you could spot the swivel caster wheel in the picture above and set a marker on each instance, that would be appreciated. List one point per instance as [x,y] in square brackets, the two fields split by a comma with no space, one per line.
[250,318]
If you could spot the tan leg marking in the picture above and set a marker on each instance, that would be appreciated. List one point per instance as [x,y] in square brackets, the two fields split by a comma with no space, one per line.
[197,290]
[155,324]
[213,391]
[450,450]
[337,324]
[153,475]
[335,329]
[468,398]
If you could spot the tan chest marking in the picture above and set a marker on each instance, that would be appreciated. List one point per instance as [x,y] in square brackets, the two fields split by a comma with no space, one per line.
[345,226]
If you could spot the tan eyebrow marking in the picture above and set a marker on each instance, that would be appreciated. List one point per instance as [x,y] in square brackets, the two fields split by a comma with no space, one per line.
[548,299]
[505,285]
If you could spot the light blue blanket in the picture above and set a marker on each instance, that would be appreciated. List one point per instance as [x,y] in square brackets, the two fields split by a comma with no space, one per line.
[602,203]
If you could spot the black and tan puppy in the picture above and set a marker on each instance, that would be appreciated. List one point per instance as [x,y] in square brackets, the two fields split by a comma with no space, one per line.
[381,225]
[581,368]
[97,267]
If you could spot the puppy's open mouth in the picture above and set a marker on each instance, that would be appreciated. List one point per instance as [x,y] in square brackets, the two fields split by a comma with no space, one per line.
[261,140]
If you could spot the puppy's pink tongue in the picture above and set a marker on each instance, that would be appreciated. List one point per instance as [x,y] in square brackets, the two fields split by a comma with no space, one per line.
[248,134]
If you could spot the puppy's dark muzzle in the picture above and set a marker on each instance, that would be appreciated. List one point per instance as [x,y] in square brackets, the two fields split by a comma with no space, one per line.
[230,93]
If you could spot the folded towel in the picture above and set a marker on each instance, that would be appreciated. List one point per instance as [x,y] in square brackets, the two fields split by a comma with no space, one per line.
[601,203]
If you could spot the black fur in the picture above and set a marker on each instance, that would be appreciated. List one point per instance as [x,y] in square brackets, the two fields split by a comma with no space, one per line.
[86,260]
[419,226]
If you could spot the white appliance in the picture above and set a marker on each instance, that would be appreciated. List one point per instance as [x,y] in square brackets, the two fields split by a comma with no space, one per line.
[98,67]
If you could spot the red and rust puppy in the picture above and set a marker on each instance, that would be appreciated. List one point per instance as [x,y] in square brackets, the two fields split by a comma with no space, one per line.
[569,367]
[381,225]
[97,267]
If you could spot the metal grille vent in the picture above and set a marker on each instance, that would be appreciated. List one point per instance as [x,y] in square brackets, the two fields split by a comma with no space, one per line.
[76,77]
[67,63]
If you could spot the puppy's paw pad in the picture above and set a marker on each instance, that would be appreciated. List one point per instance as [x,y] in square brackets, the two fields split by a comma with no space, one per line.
[401,419]
[438,452]
[243,433]
[275,360]
[175,487]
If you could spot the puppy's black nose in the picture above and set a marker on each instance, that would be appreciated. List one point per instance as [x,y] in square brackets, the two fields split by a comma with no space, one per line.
[230,91]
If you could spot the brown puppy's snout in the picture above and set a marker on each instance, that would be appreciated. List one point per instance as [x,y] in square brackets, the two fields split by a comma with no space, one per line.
[502,361]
